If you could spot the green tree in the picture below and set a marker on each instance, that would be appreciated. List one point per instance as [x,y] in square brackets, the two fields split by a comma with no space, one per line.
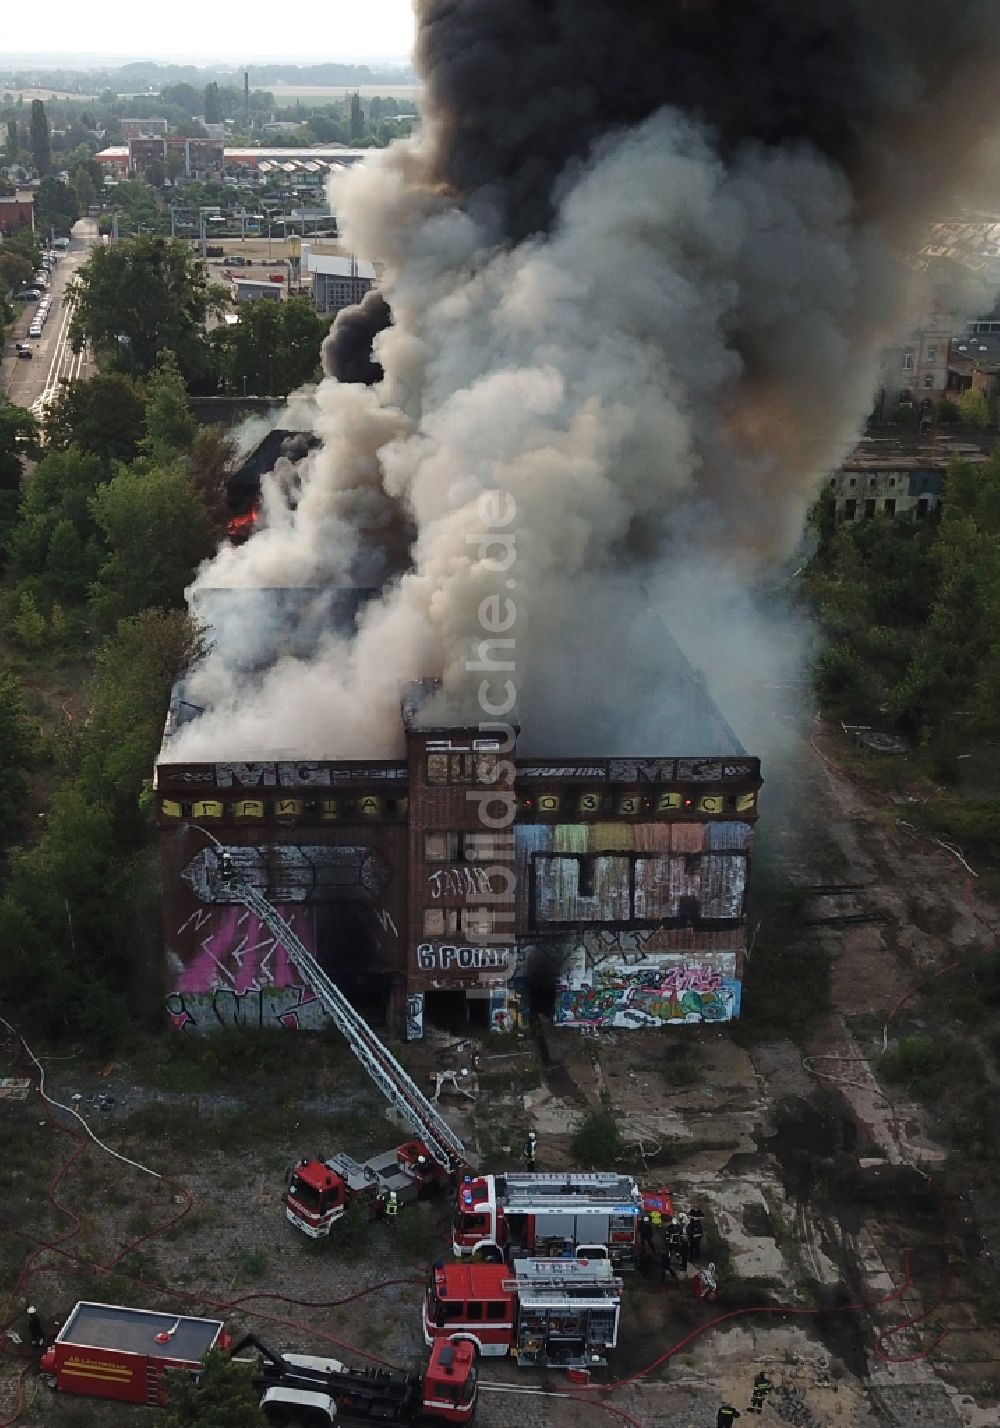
[74,907]
[273,349]
[15,270]
[19,741]
[358,126]
[223,1396]
[170,427]
[59,488]
[157,529]
[136,670]
[974,408]
[13,146]
[213,104]
[139,296]
[57,206]
[85,189]
[18,441]
[70,565]
[105,417]
[29,622]
[41,145]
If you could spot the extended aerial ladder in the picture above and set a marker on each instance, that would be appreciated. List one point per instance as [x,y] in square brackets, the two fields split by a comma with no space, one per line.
[398,1087]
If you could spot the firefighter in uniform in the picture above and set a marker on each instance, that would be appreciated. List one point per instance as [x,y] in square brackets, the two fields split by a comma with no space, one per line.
[36,1329]
[727,1416]
[762,1386]
[392,1205]
[531,1150]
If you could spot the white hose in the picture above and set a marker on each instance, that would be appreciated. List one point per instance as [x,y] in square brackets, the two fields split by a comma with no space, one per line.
[71,1111]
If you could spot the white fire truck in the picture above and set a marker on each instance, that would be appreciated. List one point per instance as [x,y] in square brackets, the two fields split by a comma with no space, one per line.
[546,1313]
[319,1191]
[501,1217]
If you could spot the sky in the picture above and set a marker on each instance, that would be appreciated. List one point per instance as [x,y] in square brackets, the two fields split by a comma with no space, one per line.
[69,32]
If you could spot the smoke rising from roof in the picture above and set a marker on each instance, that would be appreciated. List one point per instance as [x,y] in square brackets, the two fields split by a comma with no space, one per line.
[640,266]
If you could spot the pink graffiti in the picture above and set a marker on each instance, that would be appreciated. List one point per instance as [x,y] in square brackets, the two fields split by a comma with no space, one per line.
[678,980]
[239,953]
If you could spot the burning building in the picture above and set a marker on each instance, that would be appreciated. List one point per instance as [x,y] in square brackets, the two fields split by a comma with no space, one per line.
[623,264]
[603,891]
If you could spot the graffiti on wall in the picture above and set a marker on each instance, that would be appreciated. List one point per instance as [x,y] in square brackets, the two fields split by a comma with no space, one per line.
[415,1016]
[466,959]
[294,1008]
[656,991]
[463,881]
[241,974]
[289,872]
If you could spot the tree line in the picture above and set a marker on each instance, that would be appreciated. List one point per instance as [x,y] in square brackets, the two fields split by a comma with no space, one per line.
[99,540]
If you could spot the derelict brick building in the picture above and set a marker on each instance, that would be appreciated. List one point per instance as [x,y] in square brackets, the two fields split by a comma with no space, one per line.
[616,897]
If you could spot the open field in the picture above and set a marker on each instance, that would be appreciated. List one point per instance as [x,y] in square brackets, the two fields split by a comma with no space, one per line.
[852,1247]
[318,93]
[29,94]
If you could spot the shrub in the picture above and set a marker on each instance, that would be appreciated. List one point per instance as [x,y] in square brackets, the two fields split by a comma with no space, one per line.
[597,1140]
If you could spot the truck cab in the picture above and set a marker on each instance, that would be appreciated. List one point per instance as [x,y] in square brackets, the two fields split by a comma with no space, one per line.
[544,1312]
[312,1392]
[319,1191]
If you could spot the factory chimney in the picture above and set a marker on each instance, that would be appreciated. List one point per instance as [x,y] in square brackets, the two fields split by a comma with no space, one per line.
[246,100]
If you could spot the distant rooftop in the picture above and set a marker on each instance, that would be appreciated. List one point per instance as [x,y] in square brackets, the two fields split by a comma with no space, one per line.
[337,267]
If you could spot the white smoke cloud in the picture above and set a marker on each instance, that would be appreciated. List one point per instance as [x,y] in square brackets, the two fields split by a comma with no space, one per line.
[659,383]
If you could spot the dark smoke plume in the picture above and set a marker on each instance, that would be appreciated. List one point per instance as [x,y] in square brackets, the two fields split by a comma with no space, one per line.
[347,352]
[521,88]
[642,258]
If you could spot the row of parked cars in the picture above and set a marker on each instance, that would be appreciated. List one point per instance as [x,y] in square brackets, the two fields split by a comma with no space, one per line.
[40,318]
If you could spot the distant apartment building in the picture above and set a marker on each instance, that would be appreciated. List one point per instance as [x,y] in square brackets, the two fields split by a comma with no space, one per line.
[337,282]
[897,479]
[914,372]
[194,158]
[17,211]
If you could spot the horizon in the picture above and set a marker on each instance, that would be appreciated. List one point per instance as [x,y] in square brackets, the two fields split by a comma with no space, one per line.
[380,33]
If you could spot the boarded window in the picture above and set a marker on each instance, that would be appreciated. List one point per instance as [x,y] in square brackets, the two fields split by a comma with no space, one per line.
[437,768]
[477,921]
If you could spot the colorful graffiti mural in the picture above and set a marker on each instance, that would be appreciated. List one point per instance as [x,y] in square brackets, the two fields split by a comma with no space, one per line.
[241,974]
[660,991]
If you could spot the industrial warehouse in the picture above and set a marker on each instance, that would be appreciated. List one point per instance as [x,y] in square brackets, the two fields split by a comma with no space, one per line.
[613,895]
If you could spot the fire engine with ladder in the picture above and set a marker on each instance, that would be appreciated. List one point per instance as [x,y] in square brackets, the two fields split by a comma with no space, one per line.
[545,1313]
[569,1213]
[319,1191]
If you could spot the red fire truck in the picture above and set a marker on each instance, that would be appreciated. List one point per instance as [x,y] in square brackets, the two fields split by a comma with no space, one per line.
[109,1351]
[500,1217]
[546,1313]
[319,1191]
[306,1390]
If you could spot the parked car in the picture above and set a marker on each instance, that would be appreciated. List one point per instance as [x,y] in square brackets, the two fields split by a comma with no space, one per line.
[35,330]
[24,352]
[29,295]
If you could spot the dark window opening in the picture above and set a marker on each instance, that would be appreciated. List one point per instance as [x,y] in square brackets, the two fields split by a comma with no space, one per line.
[850,507]
[586,883]
[890,507]
[454,1011]
[869,509]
